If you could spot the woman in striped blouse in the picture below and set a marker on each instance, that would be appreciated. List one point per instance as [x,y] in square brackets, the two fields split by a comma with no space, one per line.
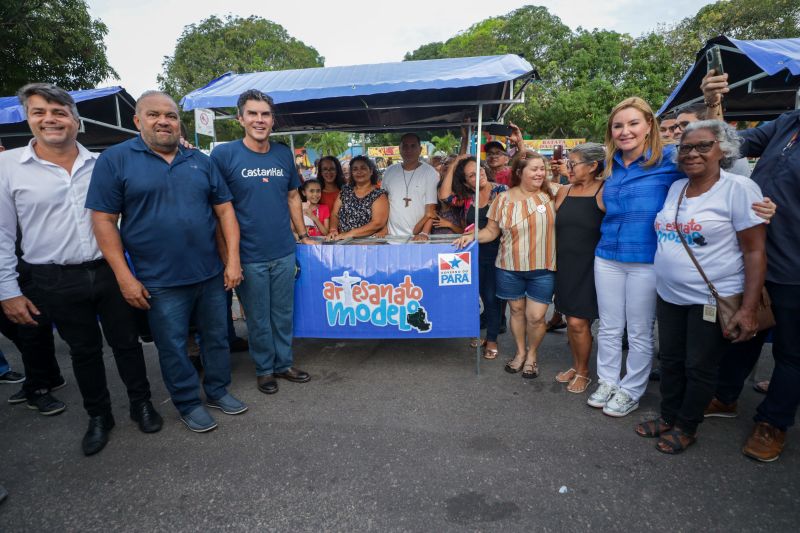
[524,219]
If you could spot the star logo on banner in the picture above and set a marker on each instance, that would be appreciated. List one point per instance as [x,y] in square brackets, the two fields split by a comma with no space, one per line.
[455,262]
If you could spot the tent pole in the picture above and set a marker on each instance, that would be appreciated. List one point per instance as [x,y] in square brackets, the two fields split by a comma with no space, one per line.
[475,229]
[291,144]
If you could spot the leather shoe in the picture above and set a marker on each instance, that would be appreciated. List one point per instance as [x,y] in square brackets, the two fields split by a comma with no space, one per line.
[147,417]
[295,375]
[765,443]
[96,436]
[267,384]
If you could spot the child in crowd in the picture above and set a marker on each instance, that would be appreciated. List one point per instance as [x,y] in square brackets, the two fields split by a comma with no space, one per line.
[315,214]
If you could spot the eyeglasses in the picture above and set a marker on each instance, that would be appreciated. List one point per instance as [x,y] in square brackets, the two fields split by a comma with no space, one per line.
[678,126]
[571,165]
[703,147]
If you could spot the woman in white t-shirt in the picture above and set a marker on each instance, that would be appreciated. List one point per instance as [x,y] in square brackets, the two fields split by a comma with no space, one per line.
[715,217]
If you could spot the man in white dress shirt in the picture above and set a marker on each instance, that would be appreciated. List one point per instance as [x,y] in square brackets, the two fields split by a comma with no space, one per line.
[43,188]
[411,185]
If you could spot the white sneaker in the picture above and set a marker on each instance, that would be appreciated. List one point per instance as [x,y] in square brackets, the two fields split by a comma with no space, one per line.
[601,395]
[620,405]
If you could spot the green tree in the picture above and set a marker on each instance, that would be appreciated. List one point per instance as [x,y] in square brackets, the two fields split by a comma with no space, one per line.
[740,19]
[54,41]
[447,143]
[329,143]
[215,46]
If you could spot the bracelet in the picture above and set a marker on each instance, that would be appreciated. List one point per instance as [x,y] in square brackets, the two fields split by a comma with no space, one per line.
[712,106]
[303,236]
[423,233]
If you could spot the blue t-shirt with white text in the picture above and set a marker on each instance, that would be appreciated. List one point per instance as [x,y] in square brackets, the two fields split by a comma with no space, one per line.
[260,184]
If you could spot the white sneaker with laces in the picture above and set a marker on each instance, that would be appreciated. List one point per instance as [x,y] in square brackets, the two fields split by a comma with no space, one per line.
[601,395]
[620,405]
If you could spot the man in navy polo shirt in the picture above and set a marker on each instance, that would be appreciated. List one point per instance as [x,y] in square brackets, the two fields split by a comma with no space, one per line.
[263,179]
[170,199]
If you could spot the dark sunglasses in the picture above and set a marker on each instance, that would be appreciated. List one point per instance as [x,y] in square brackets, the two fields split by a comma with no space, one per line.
[702,147]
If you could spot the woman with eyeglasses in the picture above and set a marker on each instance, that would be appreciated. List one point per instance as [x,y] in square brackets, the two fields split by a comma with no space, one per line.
[331,176]
[639,172]
[710,214]
[579,213]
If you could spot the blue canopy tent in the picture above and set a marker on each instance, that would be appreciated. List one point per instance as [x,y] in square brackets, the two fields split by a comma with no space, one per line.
[106,118]
[408,95]
[764,78]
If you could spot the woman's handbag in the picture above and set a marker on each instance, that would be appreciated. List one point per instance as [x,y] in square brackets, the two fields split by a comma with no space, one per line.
[727,305]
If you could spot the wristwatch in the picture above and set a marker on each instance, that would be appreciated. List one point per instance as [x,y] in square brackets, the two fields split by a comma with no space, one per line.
[303,236]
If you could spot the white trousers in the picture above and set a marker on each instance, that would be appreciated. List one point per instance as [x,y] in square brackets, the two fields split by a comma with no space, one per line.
[626,294]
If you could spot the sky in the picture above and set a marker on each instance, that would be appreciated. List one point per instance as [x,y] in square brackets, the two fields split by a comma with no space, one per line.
[142,32]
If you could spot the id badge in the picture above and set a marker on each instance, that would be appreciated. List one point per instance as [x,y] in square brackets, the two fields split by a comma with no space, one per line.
[710,313]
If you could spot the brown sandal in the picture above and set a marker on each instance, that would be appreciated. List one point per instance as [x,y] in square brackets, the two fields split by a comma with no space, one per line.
[511,369]
[490,353]
[579,389]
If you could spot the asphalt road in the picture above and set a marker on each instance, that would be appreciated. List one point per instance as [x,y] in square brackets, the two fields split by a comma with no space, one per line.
[389,436]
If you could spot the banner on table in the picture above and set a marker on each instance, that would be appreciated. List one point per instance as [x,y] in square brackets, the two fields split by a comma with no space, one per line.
[386,291]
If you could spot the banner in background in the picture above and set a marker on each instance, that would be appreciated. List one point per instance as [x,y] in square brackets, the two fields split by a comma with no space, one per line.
[386,291]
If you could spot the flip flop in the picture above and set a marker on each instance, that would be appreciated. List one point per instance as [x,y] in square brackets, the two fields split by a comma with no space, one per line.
[477,342]
[566,376]
[579,390]
[534,370]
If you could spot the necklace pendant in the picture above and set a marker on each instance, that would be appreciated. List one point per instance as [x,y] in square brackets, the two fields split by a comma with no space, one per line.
[407,201]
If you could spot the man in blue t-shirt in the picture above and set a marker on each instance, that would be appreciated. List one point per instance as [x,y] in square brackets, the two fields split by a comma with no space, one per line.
[170,200]
[263,180]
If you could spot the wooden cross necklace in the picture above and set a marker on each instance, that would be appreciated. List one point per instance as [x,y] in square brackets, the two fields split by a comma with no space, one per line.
[407,199]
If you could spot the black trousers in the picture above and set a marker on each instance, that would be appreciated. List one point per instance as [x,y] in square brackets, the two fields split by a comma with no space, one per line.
[783,397]
[738,362]
[35,343]
[74,296]
[691,350]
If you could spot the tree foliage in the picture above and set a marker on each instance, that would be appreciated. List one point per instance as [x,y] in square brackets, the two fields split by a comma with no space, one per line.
[446,143]
[329,143]
[54,41]
[214,46]
[585,73]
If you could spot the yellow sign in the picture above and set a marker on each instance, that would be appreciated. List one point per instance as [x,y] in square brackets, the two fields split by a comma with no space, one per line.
[390,151]
[549,144]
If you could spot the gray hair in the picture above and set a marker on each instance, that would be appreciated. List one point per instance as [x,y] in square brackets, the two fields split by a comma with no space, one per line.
[51,93]
[591,153]
[147,94]
[729,141]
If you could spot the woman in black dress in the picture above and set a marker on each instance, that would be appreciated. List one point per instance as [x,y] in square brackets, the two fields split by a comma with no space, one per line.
[580,211]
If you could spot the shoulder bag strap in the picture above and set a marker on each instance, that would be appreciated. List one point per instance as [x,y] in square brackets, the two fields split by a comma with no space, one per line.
[689,250]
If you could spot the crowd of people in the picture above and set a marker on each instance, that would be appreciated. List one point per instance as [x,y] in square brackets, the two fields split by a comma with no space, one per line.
[655,226]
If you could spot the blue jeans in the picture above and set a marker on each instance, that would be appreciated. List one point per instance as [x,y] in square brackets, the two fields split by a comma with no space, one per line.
[171,309]
[4,366]
[267,294]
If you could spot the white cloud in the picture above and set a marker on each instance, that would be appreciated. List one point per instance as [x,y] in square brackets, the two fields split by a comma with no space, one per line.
[142,32]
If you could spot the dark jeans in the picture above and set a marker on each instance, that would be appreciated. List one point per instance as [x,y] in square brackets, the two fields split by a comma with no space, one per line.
[74,296]
[35,343]
[780,405]
[171,310]
[487,283]
[691,349]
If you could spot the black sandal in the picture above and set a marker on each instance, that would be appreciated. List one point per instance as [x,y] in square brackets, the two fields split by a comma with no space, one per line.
[533,373]
[652,428]
[672,438]
[513,369]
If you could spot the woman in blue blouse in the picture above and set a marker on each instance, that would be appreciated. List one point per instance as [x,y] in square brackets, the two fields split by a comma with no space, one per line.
[639,171]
